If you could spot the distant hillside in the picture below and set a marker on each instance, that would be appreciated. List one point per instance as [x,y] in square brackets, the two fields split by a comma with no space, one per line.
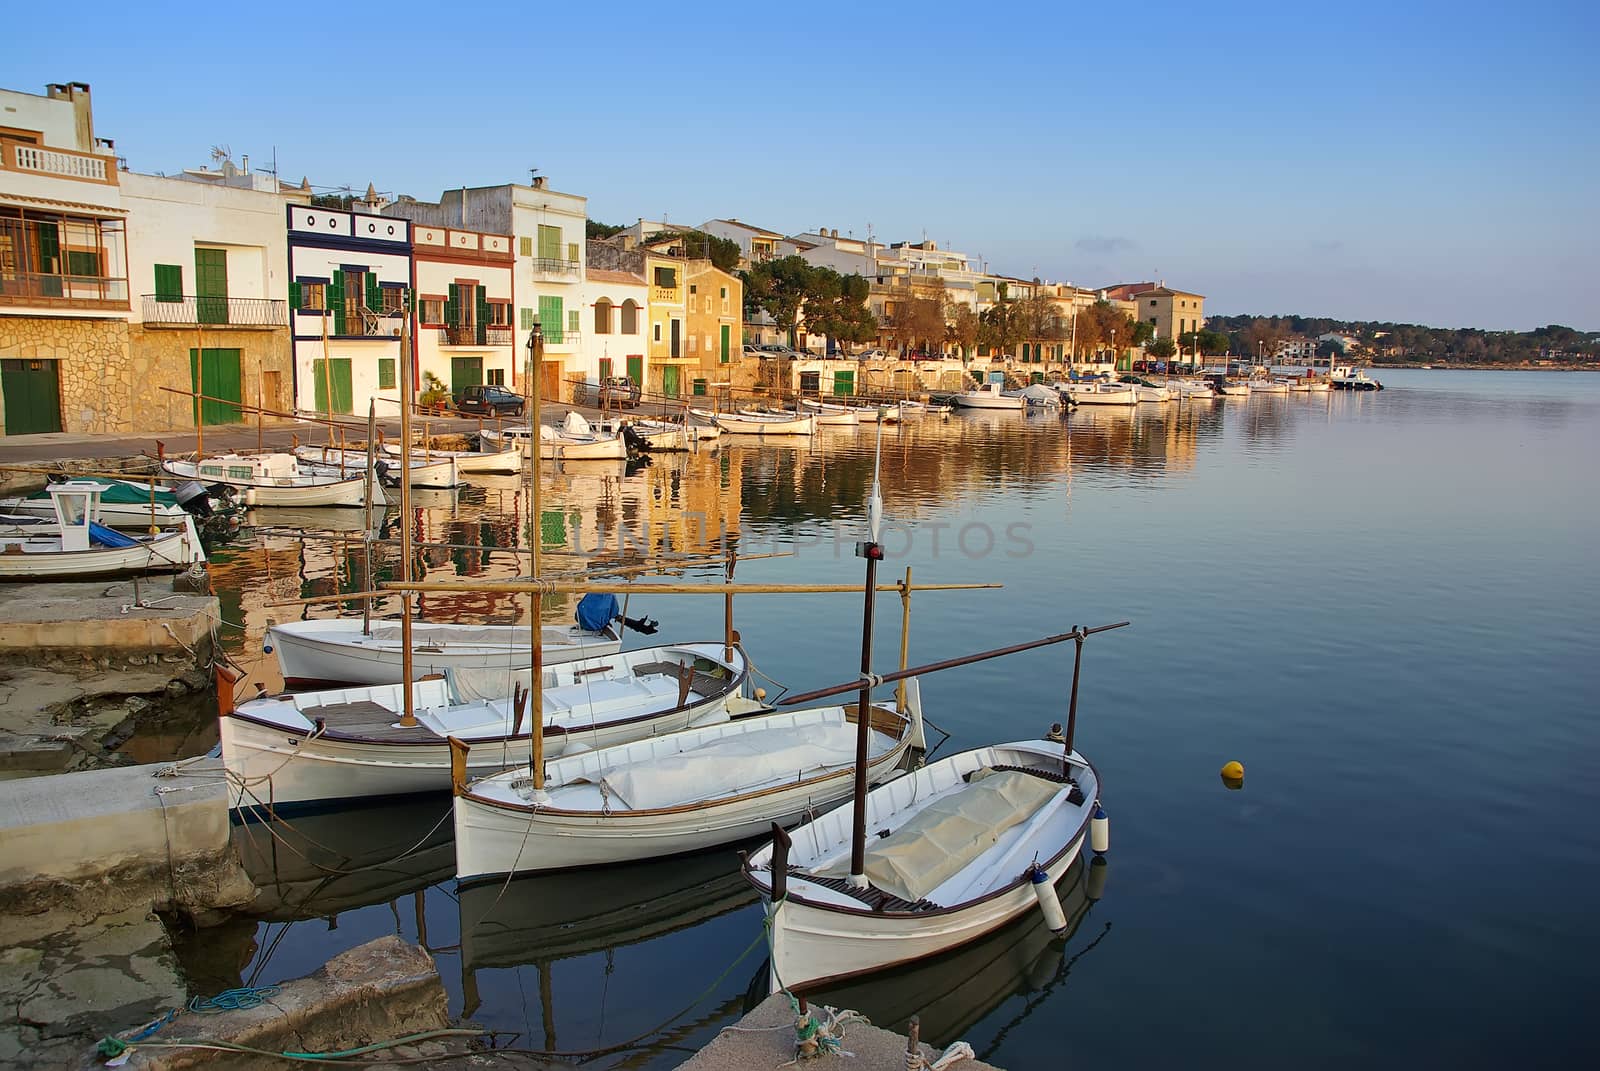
[1410,343]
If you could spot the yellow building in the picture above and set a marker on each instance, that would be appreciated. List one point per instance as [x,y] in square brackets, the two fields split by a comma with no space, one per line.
[714,318]
[665,283]
[1173,312]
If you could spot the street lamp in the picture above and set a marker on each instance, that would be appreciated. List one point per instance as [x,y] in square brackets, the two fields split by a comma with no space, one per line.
[535,353]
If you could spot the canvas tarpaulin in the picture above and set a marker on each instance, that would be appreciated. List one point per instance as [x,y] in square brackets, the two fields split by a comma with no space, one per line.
[732,765]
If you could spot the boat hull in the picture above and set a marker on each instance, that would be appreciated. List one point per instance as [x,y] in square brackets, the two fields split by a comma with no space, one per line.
[309,491]
[507,460]
[435,474]
[337,650]
[167,554]
[747,425]
[988,401]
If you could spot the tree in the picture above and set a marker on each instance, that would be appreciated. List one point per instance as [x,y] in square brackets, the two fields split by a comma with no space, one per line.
[836,306]
[963,326]
[1143,332]
[779,288]
[593,228]
[1037,320]
[722,252]
[1162,349]
[917,323]
[999,328]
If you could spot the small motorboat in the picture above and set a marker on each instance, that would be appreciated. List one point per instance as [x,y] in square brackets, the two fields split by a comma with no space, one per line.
[575,440]
[990,395]
[124,503]
[1099,392]
[1146,391]
[1038,396]
[1347,377]
[77,545]
[329,460]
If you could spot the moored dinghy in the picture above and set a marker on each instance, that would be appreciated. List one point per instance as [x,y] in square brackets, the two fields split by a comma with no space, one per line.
[340,744]
[76,545]
[963,846]
[673,794]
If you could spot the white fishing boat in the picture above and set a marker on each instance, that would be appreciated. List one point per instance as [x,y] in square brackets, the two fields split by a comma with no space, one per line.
[878,414]
[1037,396]
[1266,385]
[1099,392]
[989,395]
[1146,391]
[502,459]
[77,545]
[663,435]
[957,847]
[575,440]
[766,424]
[1310,385]
[309,747]
[438,474]
[338,650]
[1190,390]
[672,794]
[1348,377]
[830,415]
[272,480]
[123,503]
[1227,388]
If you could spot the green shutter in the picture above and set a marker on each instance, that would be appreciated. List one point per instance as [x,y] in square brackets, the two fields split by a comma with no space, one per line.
[483,315]
[386,371]
[572,321]
[294,295]
[552,320]
[49,249]
[549,242]
[726,342]
[452,307]
[335,291]
[211,285]
[374,292]
[527,318]
[572,252]
[169,282]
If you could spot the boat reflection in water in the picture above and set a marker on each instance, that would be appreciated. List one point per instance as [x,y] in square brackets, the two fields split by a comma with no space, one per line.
[955,992]
[321,864]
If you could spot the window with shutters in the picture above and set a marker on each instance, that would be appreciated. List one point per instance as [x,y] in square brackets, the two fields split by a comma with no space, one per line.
[552,319]
[386,373]
[667,278]
[497,377]
[430,311]
[573,327]
[500,313]
[525,246]
[527,315]
[602,316]
[313,297]
[549,242]
[394,300]
[169,282]
[572,252]
[630,317]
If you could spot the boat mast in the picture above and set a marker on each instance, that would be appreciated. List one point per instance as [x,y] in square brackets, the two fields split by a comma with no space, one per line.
[408,717]
[872,551]
[366,521]
[535,537]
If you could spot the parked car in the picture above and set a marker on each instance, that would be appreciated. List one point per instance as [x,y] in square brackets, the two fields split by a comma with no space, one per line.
[753,351]
[874,354]
[615,392]
[489,400]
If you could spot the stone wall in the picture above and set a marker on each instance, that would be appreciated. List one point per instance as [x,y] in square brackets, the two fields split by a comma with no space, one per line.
[112,373]
[96,380]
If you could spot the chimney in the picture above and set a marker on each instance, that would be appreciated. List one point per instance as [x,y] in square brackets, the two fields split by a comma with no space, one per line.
[244,163]
[538,182]
[82,111]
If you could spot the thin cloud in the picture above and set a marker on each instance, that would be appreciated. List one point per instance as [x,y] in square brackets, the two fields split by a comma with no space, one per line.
[1105,244]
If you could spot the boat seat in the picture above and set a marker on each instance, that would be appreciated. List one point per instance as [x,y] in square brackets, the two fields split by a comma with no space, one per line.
[874,898]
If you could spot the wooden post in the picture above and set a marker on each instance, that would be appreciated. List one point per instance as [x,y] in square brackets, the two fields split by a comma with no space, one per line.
[408,717]
[535,538]
[366,520]
[905,638]
[727,609]
[327,367]
[261,435]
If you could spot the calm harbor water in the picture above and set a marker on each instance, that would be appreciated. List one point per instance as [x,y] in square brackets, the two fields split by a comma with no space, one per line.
[1380,604]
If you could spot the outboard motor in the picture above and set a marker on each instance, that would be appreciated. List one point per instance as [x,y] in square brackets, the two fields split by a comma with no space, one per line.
[381,469]
[637,444]
[193,497]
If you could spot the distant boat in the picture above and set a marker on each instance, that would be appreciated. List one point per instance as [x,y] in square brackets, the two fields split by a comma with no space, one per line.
[1038,396]
[1099,393]
[77,545]
[990,395]
[830,415]
[1147,391]
[767,424]
[575,440]
[272,480]
[1345,377]
[501,459]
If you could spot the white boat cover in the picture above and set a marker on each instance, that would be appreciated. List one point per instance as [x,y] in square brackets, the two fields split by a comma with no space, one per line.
[942,838]
[732,765]
[576,425]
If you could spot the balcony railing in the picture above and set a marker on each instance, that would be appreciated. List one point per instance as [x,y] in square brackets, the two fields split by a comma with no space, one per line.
[551,267]
[475,335]
[563,338]
[189,311]
[67,291]
[58,163]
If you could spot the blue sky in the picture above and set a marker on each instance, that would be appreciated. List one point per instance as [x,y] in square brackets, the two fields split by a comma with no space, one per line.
[1422,162]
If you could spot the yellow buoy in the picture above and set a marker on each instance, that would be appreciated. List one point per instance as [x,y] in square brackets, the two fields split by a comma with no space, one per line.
[1233,775]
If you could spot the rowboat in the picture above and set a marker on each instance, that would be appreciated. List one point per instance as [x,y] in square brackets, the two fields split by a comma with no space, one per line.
[754,424]
[76,545]
[661,435]
[338,650]
[1146,391]
[503,459]
[672,794]
[1099,393]
[1189,390]
[832,416]
[353,463]
[311,747]
[965,837]
[272,480]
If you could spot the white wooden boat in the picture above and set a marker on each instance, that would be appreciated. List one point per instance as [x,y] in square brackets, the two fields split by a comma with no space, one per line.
[438,474]
[879,414]
[1037,396]
[990,395]
[502,459]
[1097,392]
[336,650]
[1261,385]
[1310,386]
[665,436]
[830,415]
[272,480]
[575,440]
[673,794]
[1146,391]
[755,424]
[309,747]
[1190,390]
[76,545]
[964,834]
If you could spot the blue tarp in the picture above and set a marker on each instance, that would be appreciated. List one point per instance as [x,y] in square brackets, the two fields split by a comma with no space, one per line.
[107,537]
[597,611]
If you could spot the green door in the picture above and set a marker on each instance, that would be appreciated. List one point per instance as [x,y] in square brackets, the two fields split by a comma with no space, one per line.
[33,396]
[727,342]
[699,388]
[215,374]
[669,380]
[465,372]
[844,383]
[211,285]
[636,370]
[343,393]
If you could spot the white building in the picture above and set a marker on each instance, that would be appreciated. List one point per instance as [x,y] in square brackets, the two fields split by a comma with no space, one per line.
[464,294]
[755,243]
[349,274]
[824,248]
[615,322]
[549,230]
